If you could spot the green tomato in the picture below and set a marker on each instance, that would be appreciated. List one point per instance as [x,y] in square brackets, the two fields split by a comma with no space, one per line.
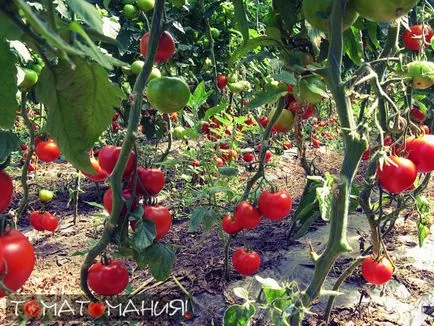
[215,32]
[36,67]
[236,87]
[179,132]
[306,91]
[422,73]
[155,73]
[245,84]
[30,79]
[316,13]
[168,94]
[145,5]
[284,122]
[205,42]
[136,67]
[45,195]
[383,11]
[130,11]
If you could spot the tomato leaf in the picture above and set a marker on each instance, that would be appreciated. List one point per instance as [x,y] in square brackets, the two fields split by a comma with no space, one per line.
[196,218]
[372,32]
[288,11]
[144,235]
[239,315]
[199,96]
[424,222]
[251,45]
[87,12]
[160,258]
[286,77]
[265,98]
[353,44]
[9,142]
[228,171]
[241,21]
[8,29]
[215,110]
[8,86]
[241,293]
[80,106]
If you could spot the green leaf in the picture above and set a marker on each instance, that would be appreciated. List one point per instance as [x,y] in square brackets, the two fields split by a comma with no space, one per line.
[87,12]
[8,29]
[286,77]
[196,218]
[144,235]
[241,293]
[241,21]
[353,44]
[422,231]
[315,89]
[263,98]
[215,110]
[251,45]
[199,96]
[41,28]
[80,106]
[218,189]
[9,142]
[8,86]
[228,171]
[288,11]
[239,315]
[160,258]
[136,214]
[372,32]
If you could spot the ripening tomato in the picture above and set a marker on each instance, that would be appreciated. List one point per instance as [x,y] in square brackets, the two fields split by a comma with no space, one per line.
[421,152]
[96,309]
[287,145]
[397,174]
[316,143]
[108,279]
[219,162]
[413,38]
[47,151]
[165,49]
[246,262]
[161,217]
[247,216]
[149,181]
[19,259]
[108,201]
[264,121]
[295,107]
[417,115]
[100,176]
[377,271]
[284,122]
[268,156]
[222,81]
[228,155]
[32,309]
[7,189]
[248,157]
[108,157]
[195,163]
[230,225]
[275,205]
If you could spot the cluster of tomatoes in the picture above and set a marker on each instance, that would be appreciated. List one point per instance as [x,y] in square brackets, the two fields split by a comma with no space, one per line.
[417,37]
[43,221]
[274,205]
[319,131]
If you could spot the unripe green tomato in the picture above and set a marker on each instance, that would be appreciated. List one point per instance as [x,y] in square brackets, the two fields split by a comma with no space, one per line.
[215,32]
[236,87]
[168,94]
[245,84]
[30,79]
[129,11]
[45,195]
[36,67]
[179,132]
[155,73]
[206,42]
[136,67]
[145,5]
[232,78]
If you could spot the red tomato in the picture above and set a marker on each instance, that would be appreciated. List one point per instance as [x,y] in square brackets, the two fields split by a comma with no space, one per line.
[32,309]
[421,152]
[50,222]
[246,262]
[7,190]
[316,143]
[388,141]
[294,107]
[23,147]
[195,163]
[366,155]
[18,261]
[47,151]
[149,181]
[230,225]
[308,112]
[264,121]
[108,201]
[36,219]
[31,167]
[397,175]
[100,173]
[413,37]
[96,309]
[425,129]
[165,49]
[108,157]
[377,272]
[222,81]
[224,146]
[161,217]
[219,162]
[287,145]
[248,157]
[275,206]
[417,115]
[268,156]
[109,279]
[247,216]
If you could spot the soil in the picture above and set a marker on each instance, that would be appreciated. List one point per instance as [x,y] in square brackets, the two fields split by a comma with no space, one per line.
[199,262]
